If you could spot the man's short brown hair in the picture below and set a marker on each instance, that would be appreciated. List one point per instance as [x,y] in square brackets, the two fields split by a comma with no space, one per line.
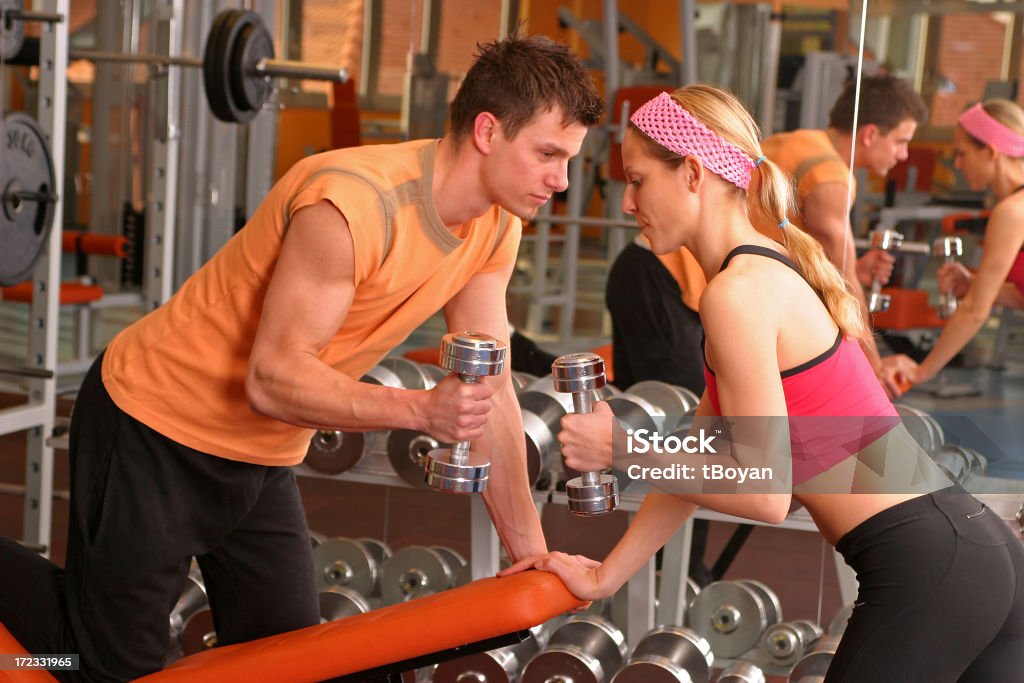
[885,101]
[517,77]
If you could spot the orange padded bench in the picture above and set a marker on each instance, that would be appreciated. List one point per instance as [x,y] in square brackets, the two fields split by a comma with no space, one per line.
[378,644]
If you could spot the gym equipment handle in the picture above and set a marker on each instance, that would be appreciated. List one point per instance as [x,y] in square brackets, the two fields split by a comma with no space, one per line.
[460,450]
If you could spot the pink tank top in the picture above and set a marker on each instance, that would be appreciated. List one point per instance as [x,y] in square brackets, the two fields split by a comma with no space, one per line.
[835,404]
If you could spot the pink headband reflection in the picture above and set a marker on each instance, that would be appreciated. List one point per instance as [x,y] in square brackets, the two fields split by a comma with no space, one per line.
[981,125]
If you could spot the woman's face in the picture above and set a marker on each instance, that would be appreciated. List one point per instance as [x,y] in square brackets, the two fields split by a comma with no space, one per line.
[973,162]
[654,195]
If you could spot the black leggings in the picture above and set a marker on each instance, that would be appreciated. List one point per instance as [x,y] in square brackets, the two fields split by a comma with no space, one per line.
[141,507]
[941,595]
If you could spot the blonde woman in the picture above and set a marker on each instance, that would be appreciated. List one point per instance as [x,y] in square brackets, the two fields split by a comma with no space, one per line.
[988,147]
[782,340]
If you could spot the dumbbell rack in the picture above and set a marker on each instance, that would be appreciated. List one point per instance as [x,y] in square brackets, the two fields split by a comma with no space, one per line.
[38,414]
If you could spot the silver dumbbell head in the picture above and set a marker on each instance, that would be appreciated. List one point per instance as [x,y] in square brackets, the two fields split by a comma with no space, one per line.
[731,615]
[741,672]
[446,473]
[878,303]
[472,354]
[816,659]
[576,372]
[339,602]
[949,247]
[886,239]
[590,499]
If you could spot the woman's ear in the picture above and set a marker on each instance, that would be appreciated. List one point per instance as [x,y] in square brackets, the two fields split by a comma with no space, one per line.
[692,172]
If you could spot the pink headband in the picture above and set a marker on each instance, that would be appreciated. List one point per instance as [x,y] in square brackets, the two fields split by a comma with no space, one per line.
[675,129]
[981,125]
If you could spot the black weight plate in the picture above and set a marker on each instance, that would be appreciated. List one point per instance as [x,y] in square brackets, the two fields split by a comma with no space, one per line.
[249,90]
[25,166]
[12,33]
[229,40]
[215,79]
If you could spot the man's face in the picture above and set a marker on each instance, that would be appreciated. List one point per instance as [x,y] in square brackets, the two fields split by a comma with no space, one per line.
[521,174]
[882,152]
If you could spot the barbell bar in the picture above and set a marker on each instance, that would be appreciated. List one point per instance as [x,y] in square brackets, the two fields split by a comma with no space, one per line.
[238,62]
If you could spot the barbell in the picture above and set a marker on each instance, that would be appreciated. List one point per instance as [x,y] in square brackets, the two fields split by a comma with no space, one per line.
[238,60]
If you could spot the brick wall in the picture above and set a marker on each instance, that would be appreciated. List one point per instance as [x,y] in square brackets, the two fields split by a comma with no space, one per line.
[970,54]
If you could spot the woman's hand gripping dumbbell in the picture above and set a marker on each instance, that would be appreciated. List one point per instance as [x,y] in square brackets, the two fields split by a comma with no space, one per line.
[592,493]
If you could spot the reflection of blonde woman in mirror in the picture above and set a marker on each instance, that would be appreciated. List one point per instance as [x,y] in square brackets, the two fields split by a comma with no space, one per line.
[782,333]
[988,145]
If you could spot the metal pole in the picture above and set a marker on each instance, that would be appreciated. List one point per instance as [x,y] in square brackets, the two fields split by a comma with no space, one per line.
[44,320]
[688,35]
[611,55]
[770,69]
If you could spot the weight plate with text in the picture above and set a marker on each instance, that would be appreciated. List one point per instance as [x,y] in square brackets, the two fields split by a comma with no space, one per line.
[12,33]
[26,194]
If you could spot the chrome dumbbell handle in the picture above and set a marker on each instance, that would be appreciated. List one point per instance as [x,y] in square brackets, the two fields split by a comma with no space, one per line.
[886,240]
[583,403]
[949,248]
[460,450]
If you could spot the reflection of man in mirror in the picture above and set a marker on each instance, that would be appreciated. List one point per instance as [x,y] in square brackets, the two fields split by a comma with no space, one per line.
[820,161]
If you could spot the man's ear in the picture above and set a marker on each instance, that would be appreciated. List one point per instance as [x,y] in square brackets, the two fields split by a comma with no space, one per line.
[485,130]
[868,133]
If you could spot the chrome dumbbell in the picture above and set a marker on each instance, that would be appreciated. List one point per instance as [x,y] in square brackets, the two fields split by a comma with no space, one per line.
[949,248]
[886,240]
[732,615]
[741,672]
[579,374]
[786,641]
[814,663]
[458,470]
[350,563]
[584,649]
[669,653]
[417,571]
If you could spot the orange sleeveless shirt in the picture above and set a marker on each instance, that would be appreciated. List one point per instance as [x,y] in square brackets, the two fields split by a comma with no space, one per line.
[181,369]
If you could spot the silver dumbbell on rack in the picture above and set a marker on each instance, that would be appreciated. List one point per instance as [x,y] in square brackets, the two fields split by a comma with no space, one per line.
[584,649]
[949,248]
[350,563]
[669,654]
[192,602]
[335,451]
[786,641]
[458,470]
[813,665]
[341,602]
[579,374]
[501,665]
[886,240]
[960,463]
[417,571]
[741,672]
[732,615]
[922,426]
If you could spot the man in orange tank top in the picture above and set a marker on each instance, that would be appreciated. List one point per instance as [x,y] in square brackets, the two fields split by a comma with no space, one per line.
[819,161]
[186,427]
